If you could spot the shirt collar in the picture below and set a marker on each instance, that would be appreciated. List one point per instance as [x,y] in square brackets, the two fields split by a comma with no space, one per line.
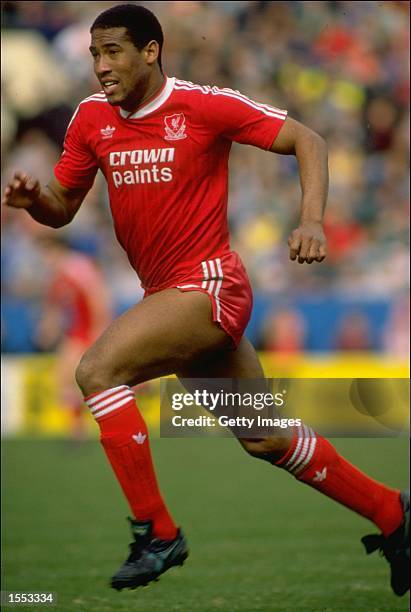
[152,103]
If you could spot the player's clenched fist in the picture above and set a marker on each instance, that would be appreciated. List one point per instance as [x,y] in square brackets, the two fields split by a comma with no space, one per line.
[21,192]
[308,243]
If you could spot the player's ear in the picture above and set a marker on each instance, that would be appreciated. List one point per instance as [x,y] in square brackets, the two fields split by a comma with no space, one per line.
[151,52]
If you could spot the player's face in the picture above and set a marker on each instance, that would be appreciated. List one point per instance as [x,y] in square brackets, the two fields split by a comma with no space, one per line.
[121,68]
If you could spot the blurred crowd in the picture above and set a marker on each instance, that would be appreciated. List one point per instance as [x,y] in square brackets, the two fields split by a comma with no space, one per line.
[341,68]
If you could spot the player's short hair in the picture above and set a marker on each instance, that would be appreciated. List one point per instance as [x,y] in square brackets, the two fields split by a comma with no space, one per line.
[141,25]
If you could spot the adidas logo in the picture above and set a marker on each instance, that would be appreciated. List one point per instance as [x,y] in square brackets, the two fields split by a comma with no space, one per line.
[320,476]
[139,438]
[107,132]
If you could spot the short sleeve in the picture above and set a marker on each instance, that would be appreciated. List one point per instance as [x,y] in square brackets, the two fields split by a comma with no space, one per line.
[242,120]
[77,167]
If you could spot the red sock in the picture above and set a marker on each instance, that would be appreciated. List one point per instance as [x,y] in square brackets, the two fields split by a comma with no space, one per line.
[124,436]
[313,460]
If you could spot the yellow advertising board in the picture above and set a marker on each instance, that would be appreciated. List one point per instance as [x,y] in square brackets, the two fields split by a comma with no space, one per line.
[31,404]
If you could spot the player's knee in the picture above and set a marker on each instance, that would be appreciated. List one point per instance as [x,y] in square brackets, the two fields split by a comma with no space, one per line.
[91,376]
[83,373]
[270,448]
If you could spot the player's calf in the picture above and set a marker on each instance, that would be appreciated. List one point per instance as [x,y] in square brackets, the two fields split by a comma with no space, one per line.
[311,459]
[315,462]
[270,449]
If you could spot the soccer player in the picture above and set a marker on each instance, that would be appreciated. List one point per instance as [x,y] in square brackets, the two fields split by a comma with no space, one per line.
[77,309]
[163,144]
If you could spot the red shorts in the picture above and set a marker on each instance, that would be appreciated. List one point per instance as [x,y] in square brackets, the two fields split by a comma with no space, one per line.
[225,280]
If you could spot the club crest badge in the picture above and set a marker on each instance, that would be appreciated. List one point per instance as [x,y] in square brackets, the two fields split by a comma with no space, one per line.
[175,126]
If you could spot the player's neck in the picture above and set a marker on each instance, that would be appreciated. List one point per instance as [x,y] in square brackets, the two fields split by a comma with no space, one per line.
[155,84]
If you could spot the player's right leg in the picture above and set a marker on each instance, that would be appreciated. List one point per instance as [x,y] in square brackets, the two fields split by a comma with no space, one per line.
[154,338]
[315,462]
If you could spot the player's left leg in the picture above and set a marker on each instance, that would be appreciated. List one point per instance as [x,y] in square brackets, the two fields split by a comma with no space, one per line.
[314,461]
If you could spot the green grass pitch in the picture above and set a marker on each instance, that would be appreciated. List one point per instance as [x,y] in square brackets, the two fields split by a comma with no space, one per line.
[259,540]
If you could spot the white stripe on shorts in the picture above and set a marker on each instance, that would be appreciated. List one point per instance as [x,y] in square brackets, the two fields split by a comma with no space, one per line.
[187,286]
[206,275]
[219,284]
[214,281]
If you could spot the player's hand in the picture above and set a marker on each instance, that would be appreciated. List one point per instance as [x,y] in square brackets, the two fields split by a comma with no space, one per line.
[21,192]
[308,243]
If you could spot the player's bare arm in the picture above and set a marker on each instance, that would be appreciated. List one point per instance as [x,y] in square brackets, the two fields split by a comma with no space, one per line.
[307,242]
[52,205]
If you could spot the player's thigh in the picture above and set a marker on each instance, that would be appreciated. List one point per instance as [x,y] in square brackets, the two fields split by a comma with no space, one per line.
[243,362]
[156,337]
[236,370]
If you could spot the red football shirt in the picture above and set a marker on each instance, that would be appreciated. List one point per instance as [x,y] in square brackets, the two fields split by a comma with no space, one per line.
[166,168]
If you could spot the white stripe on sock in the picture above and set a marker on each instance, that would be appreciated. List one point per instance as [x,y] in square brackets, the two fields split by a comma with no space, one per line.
[111,408]
[308,458]
[127,392]
[104,394]
[297,448]
[301,456]
[308,448]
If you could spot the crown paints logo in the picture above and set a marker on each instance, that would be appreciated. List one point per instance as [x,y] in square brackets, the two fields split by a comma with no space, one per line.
[175,126]
[107,132]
